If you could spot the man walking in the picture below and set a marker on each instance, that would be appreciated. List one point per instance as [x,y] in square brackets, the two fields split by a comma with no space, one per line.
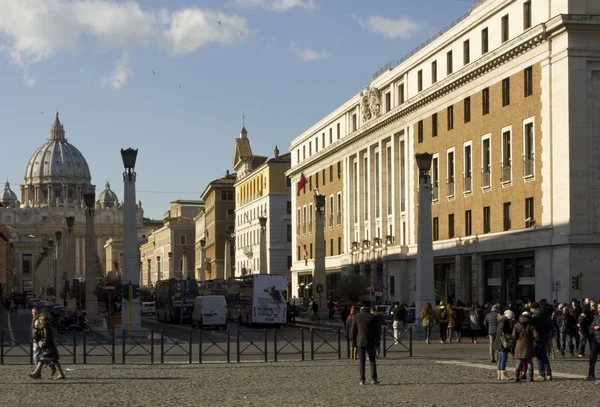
[366,332]
[491,324]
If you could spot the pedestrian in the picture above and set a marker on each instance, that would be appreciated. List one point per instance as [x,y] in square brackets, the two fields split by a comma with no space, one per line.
[474,318]
[49,353]
[35,338]
[567,329]
[398,321]
[349,322]
[366,333]
[504,342]
[583,326]
[331,309]
[523,337]
[451,323]
[427,321]
[491,325]
[443,316]
[541,333]
[459,316]
[595,344]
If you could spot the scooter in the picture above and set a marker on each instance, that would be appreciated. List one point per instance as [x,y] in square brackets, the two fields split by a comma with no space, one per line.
[74,322]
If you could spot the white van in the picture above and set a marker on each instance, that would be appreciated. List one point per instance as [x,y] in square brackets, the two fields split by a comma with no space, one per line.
[210,310]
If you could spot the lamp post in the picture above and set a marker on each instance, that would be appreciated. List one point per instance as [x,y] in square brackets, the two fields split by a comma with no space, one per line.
[319,280]
[202,271]
[425,278]
[46,252]
[184,267]
[131,308]
[263,245]
[171,274]
[69,263]
[58,238]
[91,302]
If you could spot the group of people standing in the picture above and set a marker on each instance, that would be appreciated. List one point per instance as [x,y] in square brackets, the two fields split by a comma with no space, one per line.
[451,320]
[45,352]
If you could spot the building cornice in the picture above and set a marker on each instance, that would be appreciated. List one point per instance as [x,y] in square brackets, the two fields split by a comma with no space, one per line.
[519,45]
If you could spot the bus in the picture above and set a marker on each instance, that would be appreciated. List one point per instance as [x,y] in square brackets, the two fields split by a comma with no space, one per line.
[168,299]
[262,299]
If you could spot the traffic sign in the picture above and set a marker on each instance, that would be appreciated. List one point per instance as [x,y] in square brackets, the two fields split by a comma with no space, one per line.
[379,286]
[178,286]
[109,287]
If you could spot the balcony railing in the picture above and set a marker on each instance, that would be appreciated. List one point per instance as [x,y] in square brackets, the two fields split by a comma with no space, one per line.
[435,193]
[485,179]
[506,173]
[304,228]
[528,168]
[339,218]
[467,184]
[450,188]
[331,220]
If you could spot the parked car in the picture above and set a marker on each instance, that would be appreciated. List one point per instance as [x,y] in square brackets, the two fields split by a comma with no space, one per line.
[148,308]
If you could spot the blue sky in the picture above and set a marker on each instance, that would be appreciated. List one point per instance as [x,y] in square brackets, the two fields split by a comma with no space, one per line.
[285,64]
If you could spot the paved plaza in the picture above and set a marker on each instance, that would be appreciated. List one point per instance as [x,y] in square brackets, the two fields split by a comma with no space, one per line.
[438,375]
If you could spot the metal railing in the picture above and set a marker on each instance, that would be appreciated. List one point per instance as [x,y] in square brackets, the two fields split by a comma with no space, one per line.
[485,180]
[197,346]
[528,168]
[506,173]
[435,193]
[467,184]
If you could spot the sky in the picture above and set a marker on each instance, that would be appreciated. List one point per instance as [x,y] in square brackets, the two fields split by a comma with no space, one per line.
[175,78]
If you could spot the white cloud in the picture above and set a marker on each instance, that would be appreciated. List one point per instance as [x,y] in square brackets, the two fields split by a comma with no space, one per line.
[277,5]
[307,54]
[192,28]
[35,30]
[120,75]
[404,27]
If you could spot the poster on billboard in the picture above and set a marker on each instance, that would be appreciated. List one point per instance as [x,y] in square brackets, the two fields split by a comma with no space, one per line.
[269,299]
[27,286]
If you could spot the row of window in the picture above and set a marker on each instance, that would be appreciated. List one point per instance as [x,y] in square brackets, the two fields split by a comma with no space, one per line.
[506,164]
[487,220]
[485,105]
[323,178]
[485,47]
[305,252]
[304,215]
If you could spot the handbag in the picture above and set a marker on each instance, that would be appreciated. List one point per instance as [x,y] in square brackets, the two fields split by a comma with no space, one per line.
[507,341]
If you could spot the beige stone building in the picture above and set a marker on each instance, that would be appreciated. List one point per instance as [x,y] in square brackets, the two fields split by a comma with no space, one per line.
[506,98]
[217,223]
[169,249]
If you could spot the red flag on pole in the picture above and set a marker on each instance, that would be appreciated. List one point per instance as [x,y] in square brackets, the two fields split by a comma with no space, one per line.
[302,183]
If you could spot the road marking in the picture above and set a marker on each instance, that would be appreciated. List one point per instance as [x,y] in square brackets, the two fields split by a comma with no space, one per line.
[492,367]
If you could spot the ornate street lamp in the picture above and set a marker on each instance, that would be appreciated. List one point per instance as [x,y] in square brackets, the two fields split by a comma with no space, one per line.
[320,203]
[263,223]
[424,163]
[129,158]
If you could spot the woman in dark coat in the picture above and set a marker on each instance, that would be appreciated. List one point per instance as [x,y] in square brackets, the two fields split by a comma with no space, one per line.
[506,325]
[523,336]
[49,351]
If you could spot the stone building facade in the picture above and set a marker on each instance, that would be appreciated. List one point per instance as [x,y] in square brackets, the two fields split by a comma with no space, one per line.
[507,100]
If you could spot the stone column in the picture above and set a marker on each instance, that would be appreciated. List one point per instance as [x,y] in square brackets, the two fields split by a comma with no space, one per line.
[319,279]
[425,278]
[228,259]
[262,266]
[202,266]
[130,309]
[91,302]
[71,302]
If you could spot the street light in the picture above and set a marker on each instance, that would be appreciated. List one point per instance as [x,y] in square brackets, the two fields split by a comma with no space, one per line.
[425,276]
[91,302]
[202,267]
[58,237]
[262,265]
[263,223]
[69,263]
[320,203]
[129,158]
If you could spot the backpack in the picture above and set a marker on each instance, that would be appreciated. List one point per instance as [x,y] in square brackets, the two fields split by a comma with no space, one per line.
[507,341]
[443,314]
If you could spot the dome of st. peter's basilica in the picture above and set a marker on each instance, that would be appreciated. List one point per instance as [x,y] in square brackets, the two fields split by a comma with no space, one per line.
[57,172]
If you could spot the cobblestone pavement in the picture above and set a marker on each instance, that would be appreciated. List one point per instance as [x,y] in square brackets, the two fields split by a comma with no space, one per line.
[438,375]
